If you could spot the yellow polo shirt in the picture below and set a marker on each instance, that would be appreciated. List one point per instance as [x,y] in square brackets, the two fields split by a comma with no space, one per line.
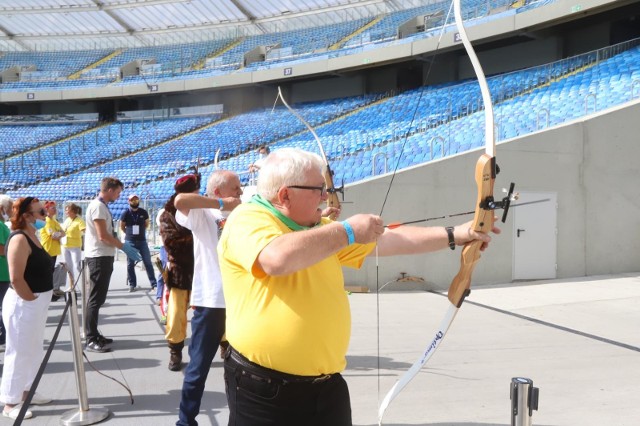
[73,228]
[299,323]
[49,244]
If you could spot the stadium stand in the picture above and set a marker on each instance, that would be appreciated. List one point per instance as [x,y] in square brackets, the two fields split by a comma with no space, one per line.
[362,136]
[70,70]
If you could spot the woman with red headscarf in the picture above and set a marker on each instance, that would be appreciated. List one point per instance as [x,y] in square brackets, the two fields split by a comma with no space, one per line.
[25,306]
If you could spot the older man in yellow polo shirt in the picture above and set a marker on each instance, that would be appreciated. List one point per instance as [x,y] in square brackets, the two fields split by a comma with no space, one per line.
[288,317]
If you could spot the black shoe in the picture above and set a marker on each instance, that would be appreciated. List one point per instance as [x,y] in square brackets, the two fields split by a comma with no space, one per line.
[104,340]
[97,346]
[175,361]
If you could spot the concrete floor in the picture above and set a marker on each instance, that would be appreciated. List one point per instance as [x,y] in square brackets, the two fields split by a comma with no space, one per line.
[578,340]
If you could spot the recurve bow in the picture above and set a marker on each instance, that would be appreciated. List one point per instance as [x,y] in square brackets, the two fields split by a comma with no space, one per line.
[485,174]
[332,192]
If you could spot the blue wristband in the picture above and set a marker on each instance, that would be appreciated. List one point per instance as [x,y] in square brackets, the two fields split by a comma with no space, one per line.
[351,238]
[221,206]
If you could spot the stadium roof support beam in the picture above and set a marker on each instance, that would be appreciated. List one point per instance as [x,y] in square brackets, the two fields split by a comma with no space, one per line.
[13,38]
[97,6]
[392,5]
[323,10]
[118,20]
[252,18]
[113,25]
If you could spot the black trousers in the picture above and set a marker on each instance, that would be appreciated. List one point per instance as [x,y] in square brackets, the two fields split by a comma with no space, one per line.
[257,397]
[100,270]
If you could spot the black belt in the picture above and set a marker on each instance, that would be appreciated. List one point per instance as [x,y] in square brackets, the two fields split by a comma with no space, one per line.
[261,373]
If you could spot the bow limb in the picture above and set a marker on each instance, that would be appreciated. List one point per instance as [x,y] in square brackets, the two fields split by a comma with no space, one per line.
[485,174]
[490,144]
[332,194]
[215,160]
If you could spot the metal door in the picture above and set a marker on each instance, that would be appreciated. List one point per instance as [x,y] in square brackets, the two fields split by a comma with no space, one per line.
[535,235]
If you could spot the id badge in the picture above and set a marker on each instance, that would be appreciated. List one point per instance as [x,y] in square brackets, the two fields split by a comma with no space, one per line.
[135,230]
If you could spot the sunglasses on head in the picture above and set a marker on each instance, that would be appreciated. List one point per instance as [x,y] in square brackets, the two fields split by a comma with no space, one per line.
[25,205]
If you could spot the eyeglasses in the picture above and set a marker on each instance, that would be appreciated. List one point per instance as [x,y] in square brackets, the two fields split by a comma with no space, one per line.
[322,189]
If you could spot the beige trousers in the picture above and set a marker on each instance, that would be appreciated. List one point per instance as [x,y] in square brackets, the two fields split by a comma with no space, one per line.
[176,328]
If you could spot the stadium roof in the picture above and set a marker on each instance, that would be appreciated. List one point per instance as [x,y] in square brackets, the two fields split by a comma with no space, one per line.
[81,24]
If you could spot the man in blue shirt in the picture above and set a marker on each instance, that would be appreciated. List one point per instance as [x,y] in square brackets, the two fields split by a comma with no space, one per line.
[134,222]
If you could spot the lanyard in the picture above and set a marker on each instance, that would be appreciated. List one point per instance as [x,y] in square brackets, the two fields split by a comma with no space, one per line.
[257,199]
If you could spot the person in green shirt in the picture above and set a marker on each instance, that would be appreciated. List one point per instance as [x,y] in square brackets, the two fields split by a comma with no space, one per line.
[6,204]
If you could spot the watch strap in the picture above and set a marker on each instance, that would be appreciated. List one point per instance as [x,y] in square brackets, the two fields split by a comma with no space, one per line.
[452,241]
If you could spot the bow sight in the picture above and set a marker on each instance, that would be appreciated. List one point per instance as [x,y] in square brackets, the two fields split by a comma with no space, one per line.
[489,202]
[339,190]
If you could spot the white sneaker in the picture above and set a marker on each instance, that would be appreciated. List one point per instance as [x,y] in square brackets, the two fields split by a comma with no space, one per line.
[13,413]
[38,399]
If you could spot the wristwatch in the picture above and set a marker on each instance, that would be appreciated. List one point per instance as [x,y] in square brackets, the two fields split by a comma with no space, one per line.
[452,241]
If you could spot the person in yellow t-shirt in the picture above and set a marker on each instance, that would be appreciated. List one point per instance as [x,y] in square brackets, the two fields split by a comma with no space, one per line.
[52,232]
[73,227]
[288,320]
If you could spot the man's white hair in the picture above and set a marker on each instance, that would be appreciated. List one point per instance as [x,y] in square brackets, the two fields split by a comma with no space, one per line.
[6,203]
[218,179]
[286,167]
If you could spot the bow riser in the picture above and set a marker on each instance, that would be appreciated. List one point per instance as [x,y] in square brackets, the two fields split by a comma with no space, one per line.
[485,178]
[332,193]
[482,222]
[461,283]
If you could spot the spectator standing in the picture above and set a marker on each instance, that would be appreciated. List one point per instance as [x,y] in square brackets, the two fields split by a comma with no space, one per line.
[5,209]
[263,152]
[99,250]
[52,233]
[202,216]
[6,206]
[134,222]
[178,243]
[25,307]
[74,228]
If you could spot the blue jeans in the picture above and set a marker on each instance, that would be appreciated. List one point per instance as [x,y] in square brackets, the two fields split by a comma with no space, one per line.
[207,328]
[146,259]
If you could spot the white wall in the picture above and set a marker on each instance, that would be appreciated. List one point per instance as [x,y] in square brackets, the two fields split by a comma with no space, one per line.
[592,165]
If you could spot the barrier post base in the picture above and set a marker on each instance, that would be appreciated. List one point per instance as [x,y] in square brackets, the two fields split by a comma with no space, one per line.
[78,417]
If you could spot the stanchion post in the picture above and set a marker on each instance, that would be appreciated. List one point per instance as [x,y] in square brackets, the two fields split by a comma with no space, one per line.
[524,399]
[84,415]
[85,297]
